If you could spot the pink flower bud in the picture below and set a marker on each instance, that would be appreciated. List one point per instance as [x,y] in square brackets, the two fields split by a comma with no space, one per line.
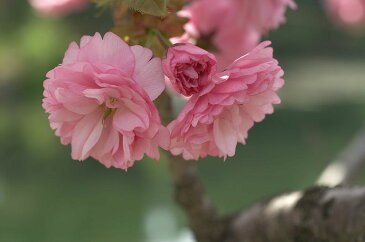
[189,68]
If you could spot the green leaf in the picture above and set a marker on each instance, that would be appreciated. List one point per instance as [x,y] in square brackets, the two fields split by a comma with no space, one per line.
[152,7]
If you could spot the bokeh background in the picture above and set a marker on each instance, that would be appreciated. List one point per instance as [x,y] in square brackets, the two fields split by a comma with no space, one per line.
[47,197]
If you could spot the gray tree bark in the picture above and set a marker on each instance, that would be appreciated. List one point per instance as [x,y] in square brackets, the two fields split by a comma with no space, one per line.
[318,214]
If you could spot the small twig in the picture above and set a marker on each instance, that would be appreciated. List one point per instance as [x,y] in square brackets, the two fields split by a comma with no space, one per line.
[344,169]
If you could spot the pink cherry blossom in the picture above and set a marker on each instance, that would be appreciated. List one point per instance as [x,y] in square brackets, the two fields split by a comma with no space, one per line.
[215,120]
[233,26]
[189,68]
[347,12]
[100,101]
[57,7]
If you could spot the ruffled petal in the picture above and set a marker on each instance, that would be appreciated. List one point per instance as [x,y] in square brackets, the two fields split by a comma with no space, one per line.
[148,72]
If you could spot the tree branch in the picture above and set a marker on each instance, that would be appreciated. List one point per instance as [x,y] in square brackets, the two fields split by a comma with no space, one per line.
[344,168]
[190,195]
[320,214]
[203,220]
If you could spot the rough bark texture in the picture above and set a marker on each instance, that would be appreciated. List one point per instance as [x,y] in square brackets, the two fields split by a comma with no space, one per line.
[203,220]
[319,214]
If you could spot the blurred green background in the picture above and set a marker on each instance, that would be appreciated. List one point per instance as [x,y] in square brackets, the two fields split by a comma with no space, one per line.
[47,197]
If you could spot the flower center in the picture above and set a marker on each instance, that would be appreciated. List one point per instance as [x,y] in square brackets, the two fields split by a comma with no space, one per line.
[108,110]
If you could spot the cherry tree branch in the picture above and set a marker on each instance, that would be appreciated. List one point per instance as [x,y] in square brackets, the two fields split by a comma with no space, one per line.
[319,214]
[189,191]
[191,196]
[345,167]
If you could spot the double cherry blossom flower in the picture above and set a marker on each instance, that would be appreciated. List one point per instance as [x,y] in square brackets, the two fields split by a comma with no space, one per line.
[100,100]
[189,68]
[220,113]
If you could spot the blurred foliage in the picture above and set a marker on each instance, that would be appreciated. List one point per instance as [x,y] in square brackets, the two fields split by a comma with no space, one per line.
[152,7]
[47,197]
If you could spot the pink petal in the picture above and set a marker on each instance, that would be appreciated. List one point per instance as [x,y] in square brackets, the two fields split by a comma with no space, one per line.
[86,134]
[126,120]
[225,136]
[63,115]
[111,50]
[71,54]
[108,142]
[148,72]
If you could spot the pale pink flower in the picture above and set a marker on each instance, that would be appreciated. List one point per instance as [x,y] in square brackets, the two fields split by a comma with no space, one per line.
[347,12]
[234,26]
[58,7]
[215,120]
[189,68]
[100,101]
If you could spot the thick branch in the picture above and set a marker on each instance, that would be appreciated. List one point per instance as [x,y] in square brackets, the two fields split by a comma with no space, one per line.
[344,168]
[319,214]
[190,194]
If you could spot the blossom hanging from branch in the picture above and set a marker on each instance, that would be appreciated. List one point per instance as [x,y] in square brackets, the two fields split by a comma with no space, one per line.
[189,68]
[220,115]
[100,101]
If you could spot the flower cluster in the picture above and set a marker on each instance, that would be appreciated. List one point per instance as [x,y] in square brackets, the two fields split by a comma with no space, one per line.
[219,116]
[233,26]
[100,100]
